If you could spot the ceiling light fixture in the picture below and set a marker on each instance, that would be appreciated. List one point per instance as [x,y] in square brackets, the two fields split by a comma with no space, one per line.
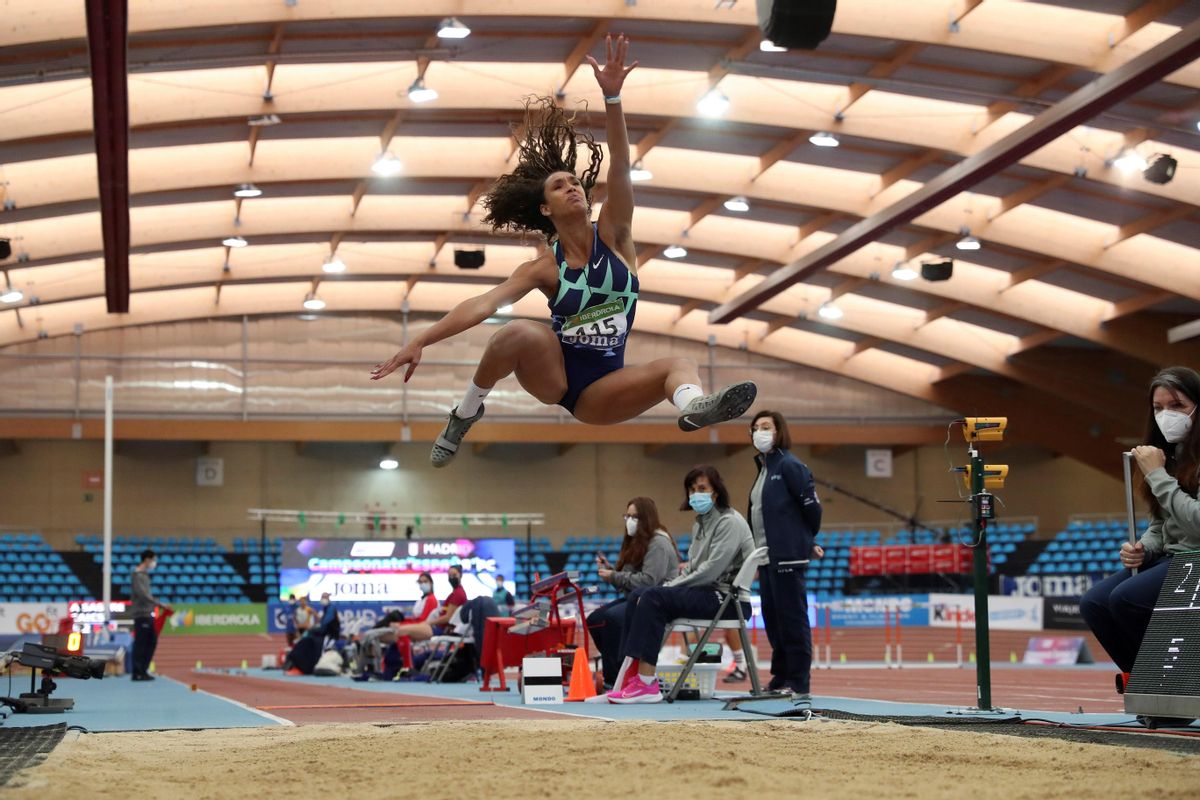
[1130,161]
[234,241]
[247,190]
[830,312]
[451,28]
[313,303]
[387,462]
[12,295]
[387,165]
[968,242]
[903,272]
[713,104]
[263,121]
[675,251]
[333,265]
[739,204]
[640,173]
[420,93]
[824,139]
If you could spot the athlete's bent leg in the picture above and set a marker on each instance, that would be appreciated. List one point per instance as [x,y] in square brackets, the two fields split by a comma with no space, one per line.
[631,391]
[525,347]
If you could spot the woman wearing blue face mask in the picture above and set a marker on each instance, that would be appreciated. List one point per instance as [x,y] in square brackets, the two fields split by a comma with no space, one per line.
[648,557]
[1118,608]
[721,541]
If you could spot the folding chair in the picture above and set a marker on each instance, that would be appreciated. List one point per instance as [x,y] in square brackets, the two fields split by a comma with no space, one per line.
[729,594]
[442,650]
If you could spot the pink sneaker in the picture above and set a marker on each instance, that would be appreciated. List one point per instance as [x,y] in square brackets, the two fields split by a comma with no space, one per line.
[637,691]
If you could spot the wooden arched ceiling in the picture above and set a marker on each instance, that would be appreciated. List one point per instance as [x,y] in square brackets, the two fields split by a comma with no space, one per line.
[1075,251]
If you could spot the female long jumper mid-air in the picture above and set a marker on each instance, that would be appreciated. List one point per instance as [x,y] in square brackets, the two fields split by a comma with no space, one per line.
[589,277]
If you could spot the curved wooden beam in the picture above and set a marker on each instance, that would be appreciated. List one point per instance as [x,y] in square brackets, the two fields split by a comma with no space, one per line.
[1098,42]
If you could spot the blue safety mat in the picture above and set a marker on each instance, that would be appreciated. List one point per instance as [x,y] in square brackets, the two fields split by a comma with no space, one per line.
[681,710]
[119,704]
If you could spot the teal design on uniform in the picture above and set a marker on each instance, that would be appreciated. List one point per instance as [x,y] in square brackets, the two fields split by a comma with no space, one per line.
[595,305]
[592,313]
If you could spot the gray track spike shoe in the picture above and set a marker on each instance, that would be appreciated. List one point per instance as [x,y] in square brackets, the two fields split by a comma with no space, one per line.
[729,403]
[446,446]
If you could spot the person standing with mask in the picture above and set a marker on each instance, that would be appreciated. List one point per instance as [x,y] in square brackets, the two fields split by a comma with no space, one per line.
[145,637]
[648,557]
[721,541]
[785,515]
[503,597]
[1118,608]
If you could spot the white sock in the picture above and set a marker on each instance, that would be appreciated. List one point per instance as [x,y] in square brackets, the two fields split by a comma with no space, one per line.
[686,393]
[647,679]
[470,404]
[739,659]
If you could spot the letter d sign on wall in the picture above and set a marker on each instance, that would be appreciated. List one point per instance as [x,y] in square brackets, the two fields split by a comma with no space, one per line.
[210,472]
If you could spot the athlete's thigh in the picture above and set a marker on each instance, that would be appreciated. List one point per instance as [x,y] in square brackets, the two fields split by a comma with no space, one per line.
[624,394]
[540,369]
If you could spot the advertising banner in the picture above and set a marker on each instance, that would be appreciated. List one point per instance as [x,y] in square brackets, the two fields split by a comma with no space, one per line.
[31,617]
[1057,650]
[1046,585]
[868,611]
[355,617]
[1004,613]
[379,570]
[207,619]
[1062,613]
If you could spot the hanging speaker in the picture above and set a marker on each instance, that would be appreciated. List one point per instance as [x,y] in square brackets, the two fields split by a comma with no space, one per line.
[5,249]
[937,270]
[801,24]
[468,259]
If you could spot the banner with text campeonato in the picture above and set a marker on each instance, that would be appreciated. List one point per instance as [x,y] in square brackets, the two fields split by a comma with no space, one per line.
[201,619]
[1004,613]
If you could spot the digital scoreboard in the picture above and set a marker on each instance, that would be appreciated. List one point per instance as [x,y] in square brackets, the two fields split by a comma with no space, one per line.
[1166,676]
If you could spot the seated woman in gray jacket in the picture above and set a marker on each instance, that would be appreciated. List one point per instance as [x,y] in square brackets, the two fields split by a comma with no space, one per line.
[721,541]
[648,557]
[1118,608]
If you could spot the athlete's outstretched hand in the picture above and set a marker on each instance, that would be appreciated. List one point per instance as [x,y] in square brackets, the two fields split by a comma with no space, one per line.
[410,354]
[612,76]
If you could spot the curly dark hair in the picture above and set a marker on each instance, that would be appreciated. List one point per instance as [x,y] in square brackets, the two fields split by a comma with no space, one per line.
[549,144]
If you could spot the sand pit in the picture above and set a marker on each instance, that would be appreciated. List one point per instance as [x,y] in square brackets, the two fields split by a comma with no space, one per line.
[583,760]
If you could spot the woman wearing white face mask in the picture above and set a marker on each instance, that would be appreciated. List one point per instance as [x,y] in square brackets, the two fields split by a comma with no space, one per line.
[1118,608]
[721,541]
[785,515]
[648,557]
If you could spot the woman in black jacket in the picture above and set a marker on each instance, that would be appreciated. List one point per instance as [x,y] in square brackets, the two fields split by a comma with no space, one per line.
[784,515]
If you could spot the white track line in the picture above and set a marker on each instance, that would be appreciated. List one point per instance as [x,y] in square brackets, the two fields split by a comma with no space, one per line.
[277,720]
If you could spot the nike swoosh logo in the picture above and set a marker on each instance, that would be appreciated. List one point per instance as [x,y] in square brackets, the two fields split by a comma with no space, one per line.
[688,421]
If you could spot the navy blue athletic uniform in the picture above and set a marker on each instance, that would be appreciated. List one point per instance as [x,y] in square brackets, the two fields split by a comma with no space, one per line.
[592,315]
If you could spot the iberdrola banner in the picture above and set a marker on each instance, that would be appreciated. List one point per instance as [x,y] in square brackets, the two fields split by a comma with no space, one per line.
[200,618]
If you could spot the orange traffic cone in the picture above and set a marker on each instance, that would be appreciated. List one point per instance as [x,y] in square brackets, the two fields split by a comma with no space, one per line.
[583,685]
